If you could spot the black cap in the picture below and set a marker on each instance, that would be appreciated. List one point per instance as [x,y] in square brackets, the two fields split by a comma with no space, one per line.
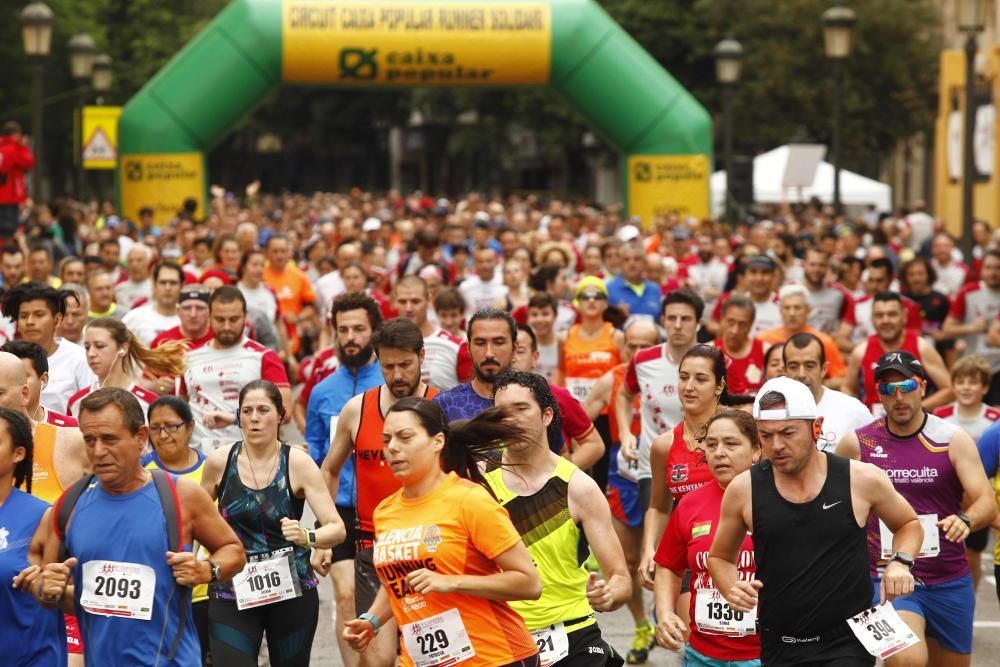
[198,292]
[762,261]
[901,361]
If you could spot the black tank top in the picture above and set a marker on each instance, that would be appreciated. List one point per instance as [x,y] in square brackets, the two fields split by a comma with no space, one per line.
[811,557]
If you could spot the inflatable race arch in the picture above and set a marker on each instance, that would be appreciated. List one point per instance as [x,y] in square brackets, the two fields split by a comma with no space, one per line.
[573,46]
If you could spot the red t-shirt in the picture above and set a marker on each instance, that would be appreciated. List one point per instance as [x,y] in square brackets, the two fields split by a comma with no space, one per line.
[576,424]
[746,375]
[686,470]
[685,546]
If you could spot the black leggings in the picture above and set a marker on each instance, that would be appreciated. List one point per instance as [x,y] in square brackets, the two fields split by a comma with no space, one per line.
[290,627]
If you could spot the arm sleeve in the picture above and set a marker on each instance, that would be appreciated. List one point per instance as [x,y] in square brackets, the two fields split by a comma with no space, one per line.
[631,379]
[273,370]
[672,552]
[317,435]
[487,522]
[463,364]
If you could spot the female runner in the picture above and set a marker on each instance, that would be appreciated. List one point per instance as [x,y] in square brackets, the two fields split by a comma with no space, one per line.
[446,552]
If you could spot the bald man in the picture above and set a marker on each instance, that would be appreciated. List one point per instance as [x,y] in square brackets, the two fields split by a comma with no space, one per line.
[59,457]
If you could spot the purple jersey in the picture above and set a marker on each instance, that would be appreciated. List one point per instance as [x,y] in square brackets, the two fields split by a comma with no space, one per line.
[922,472]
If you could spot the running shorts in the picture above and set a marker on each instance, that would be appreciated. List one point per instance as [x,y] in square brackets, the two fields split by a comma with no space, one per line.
[366,581]
[947,609]
[345,550]
[623,495]
[977,539]
[587,648]
[694,659]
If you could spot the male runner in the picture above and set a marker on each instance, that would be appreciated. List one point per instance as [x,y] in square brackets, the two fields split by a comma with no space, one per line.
[559,511]
[744,354]
[36,366]
[356,318]
[933,464]
[973,309]
[218,370]
[807,511]
[147,622]
[543,310]
[446,357]
[652,374]
[192,312]
[891,335]
[400,349]
[759,277]
[149,320]
[805,361]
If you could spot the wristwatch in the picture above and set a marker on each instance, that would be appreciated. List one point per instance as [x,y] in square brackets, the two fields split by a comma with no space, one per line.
[216,571]
[966,520]
[904,558]
[311,537]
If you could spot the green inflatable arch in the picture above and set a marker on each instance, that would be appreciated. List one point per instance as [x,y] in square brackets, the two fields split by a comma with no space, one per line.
[574,46]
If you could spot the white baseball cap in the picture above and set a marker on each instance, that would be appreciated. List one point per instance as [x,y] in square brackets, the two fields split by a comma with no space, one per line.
[371,225]
[628,232]
[799,401]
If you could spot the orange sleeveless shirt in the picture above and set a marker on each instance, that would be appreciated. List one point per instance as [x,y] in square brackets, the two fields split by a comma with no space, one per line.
[375,481]
[584,361]
[44,481]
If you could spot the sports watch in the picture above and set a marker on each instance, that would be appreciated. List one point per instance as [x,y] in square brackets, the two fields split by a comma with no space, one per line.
[966,520]
[216,571]
[904,558]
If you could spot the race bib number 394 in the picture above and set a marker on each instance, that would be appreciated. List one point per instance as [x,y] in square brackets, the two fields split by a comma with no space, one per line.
[111,588]
[881,631]
[438,641]
[713,615]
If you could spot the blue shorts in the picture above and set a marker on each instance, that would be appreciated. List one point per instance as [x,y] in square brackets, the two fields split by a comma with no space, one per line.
[694,659]
[948,610]
[623,495]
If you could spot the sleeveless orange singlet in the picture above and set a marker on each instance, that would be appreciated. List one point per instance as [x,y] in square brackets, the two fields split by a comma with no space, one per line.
[584,361]
[44,481]
[375,481]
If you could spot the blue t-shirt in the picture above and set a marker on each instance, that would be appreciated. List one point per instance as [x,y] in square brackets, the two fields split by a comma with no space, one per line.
[989,449]
[619,292]
[462,402]
[327,400]
[30,634]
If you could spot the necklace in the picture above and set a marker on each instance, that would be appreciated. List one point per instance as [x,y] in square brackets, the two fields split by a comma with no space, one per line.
[254,473]
[38,417]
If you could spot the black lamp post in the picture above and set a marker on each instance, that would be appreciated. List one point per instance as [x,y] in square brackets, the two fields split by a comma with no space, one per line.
[82,52]
[36,33]
[728,64]
[838,28]
[970,21]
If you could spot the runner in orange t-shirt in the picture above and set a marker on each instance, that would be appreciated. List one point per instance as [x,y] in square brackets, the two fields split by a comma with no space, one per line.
[446,552]
[290,284]
[400,348]
[593,347]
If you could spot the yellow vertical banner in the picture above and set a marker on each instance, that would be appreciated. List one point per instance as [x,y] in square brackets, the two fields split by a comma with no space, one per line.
[661,184]
[99,138]
[162,181]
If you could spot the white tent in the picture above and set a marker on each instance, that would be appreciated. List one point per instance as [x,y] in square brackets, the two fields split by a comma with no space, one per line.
[769,173]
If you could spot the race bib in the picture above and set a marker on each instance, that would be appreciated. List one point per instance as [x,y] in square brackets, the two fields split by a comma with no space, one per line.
[929,548]
[713,615]
[552,643]
[266,579]
[881,631]
[438,640]
[111,588]
[628,469]
[580,387]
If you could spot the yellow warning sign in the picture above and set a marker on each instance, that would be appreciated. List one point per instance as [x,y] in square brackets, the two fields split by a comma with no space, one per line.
[661,184]
[360,42]
[161,181]
[100,137]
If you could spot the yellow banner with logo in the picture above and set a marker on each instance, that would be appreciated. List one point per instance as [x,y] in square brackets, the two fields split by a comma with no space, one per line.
[360,42]
[162,181]
[662,184]
[100,137]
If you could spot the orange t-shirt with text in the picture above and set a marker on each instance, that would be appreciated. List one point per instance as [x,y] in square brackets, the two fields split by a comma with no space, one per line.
[456,529]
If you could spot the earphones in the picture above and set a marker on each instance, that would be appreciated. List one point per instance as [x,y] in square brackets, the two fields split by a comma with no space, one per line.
[121,353]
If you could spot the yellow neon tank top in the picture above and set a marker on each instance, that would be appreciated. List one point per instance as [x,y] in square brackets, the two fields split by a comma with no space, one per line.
[556,544]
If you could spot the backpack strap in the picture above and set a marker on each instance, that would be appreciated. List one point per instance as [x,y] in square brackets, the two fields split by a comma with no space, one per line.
[64,510]
[167,490]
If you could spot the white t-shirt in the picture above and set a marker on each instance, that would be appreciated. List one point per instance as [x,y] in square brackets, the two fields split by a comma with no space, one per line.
[326,288]
[68,374]
[841,414]
[261,299]
[479,294]
[442,354]
[128,292]
[146,324]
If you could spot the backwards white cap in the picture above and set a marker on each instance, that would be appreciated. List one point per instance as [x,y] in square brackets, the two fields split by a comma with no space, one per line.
[799,401]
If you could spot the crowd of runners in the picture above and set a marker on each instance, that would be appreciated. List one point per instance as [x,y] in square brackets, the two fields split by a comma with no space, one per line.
[507,416]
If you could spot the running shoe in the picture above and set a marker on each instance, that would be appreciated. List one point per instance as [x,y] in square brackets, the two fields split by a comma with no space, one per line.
[642,643]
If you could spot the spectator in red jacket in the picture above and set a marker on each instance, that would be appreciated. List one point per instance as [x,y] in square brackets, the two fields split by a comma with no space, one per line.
[15,160]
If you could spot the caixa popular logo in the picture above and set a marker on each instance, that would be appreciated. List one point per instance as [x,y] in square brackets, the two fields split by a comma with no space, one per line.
[358,64]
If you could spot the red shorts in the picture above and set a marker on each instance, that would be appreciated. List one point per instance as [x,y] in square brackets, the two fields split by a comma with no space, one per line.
[74,642]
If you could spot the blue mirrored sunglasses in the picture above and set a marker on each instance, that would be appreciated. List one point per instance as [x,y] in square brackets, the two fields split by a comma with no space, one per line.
[904,386]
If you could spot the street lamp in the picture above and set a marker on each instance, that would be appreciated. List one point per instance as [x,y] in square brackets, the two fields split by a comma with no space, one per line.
[970,21]
[728,62]
[36,32]
[838,27]
[82,53]
[102,76]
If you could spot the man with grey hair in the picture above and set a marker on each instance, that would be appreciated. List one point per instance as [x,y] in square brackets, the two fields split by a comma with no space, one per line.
[793,300]
[137,285]
[807,511]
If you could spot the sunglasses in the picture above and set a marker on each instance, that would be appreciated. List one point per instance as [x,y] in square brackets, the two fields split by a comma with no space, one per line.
[904,386]
[591,296]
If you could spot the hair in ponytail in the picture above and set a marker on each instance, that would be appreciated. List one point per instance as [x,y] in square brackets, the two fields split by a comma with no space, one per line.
[167,359]
[467,442]
[19,429]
